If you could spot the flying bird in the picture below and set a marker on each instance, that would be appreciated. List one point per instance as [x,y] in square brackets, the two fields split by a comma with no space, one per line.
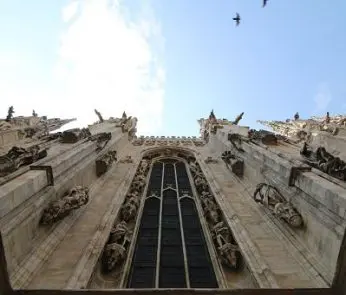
[264,3]
[237,19]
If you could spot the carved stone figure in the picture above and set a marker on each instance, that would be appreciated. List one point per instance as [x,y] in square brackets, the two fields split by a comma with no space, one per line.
[104,162]
[113,254]
[324,161]
[263,136]
[74,135]
[119,233]
[99,116]
[296,116]
[17,157]
[10,113]
[234,163]
[57,210]
[271,198]
[5,125]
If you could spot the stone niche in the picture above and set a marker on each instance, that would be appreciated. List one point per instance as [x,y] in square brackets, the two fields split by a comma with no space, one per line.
[319,234]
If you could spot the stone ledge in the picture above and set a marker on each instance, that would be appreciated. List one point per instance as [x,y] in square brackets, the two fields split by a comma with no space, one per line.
[17,191]
[327,193]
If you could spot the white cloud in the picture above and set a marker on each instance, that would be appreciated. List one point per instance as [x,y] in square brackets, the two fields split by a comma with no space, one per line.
[105,61]
[109,63]
[322,98]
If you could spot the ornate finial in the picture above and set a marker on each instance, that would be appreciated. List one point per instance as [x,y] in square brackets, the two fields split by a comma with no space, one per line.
[10,113]
[296,116]
[124,115]
[327,118]
[99,115]
[237,119]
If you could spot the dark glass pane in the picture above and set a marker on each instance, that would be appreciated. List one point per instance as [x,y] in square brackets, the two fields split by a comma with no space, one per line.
[155,178]
[142,273]
[169,176]
[201,271]
[183,179]
[172,272]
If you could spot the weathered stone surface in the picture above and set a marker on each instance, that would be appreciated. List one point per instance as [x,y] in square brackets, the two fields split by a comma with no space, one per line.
[234,163]
[74,135]
[104,162]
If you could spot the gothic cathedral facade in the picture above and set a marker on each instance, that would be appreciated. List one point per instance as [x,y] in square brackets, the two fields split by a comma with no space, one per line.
[236,208]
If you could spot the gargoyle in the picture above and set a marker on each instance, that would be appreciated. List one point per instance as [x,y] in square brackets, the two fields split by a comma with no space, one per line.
[233,162]
[57,210]
[17,157]
[104,162]
[271,198]
[324,161]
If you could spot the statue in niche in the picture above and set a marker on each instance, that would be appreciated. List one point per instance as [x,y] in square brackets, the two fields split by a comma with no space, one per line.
[238,118]
[236,141]
[98,114]
[224,242]
[17,157]
[234,163]
[57,210]
[104,162]
[269,196]
[324,161]
[74,135]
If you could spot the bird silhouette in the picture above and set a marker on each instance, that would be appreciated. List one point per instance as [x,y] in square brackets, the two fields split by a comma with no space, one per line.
[264,3]
[237,19]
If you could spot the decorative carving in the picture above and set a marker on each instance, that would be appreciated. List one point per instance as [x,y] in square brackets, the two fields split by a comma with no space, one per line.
[150,142]
[10,113]
[263,136]
[210,160]
[104,162]
[17,157]
[57,210]
[224,242]
[116,248]
[324,161]
[270,197]
[236,141]
[74,135]
[234,163]
[199,143]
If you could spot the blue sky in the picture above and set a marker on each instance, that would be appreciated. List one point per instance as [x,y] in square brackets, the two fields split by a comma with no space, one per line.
[170,62]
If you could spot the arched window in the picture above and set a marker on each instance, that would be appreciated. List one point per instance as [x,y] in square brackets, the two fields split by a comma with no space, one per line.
[170,249]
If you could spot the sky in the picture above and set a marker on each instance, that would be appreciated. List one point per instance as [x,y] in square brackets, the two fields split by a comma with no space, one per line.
[169,63]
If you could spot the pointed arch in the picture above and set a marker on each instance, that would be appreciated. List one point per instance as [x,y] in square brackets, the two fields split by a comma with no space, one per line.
[170,249]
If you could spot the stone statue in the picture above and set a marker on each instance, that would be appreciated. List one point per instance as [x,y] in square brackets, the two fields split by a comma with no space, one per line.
[324,161]
[17,157]
[238,118]
[269,196]
[10,113]
[99,115]
[57,210]
[104,162]
[296,116]
[228,250]
[74,135]
[34,114]
[113,254]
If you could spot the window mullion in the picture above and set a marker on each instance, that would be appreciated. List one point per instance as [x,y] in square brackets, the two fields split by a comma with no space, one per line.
[187,277]
[157,278]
